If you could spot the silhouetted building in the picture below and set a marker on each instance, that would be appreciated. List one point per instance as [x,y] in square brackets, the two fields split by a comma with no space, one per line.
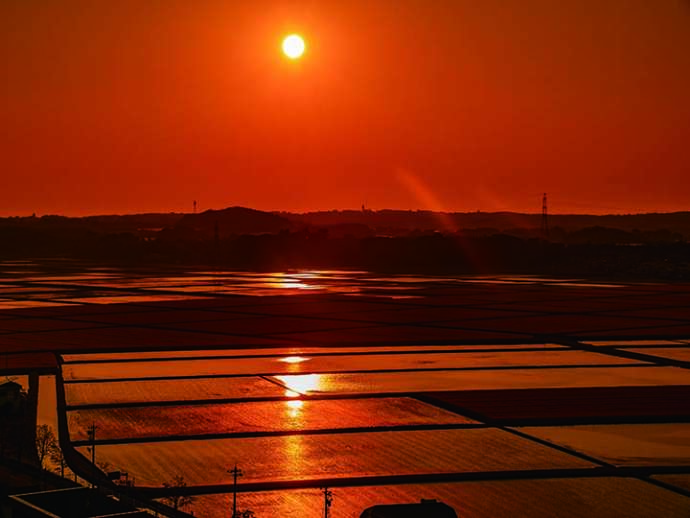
[10,396]
[424,509]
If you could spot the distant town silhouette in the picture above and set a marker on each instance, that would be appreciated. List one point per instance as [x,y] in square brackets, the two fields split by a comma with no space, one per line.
[636,245]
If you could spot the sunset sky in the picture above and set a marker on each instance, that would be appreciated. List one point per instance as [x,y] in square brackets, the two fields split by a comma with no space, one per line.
[117,106]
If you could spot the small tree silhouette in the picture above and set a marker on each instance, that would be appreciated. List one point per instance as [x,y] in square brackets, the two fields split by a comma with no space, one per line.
[45,442]
[177,501]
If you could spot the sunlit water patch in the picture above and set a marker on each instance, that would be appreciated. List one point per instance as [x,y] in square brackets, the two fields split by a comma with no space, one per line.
[279,352]
[305,363]
[170,390]
[469,380]
[300,457]
[624,445]
[266,416]
[543,498]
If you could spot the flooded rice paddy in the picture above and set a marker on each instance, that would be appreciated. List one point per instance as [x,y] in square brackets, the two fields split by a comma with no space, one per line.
[299,415]
[314,457]
[565,498]
[351,381]
[259,416]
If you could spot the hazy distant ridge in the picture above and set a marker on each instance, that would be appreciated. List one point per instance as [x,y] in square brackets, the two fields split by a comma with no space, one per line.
[452,221]
[242,220]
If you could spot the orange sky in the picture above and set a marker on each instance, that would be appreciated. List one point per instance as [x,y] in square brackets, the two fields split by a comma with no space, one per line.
[145,105]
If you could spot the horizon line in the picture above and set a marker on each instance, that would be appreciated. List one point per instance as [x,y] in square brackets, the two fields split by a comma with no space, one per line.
[366,210]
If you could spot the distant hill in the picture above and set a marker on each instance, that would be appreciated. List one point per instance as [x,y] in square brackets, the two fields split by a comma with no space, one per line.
[646,246]
[102,223]
[234,220]
[242,220]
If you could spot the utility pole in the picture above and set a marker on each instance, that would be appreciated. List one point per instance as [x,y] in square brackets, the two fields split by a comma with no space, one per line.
[327,501]
[235,473]
[194,206]
[92,437]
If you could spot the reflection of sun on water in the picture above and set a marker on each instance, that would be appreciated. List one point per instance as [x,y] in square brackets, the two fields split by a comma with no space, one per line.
[281,280]
[294,362]
[294,408]
[293,359]
[293,443]
[295,404]
[306,275]
[291,284]
[294,455]
[301,383]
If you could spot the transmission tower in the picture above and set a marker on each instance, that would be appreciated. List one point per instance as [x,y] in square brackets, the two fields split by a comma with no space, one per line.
[544,218]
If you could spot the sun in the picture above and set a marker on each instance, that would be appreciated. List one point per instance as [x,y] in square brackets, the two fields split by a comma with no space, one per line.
[294,46]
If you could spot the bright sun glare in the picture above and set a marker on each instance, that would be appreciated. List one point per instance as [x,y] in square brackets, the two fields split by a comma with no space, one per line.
[293,46]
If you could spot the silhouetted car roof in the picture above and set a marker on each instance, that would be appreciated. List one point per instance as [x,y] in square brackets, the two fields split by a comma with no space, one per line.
[421,510]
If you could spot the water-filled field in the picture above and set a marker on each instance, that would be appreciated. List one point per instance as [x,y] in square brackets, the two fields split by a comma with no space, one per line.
[624,445]
[300,457]
[501,395]
[264,416]
[487,379]
[565,498]
[305,363]
[170,390]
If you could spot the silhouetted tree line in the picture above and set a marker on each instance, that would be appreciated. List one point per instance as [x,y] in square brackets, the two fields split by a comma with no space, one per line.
[401,221]
[590,251]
